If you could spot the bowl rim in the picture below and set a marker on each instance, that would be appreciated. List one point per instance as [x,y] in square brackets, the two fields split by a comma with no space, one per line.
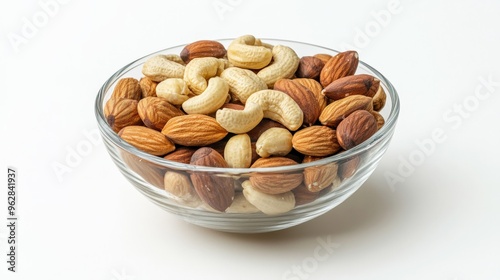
[107,132]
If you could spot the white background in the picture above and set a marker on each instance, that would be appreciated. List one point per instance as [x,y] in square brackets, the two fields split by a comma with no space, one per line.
[439,220]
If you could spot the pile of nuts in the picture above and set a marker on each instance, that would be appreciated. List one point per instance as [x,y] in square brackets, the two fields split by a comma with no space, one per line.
[250,105]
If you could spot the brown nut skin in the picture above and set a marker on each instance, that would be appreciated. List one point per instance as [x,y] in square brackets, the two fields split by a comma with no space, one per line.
[194,130]
[338,110]
[148,87]
[156,111]
[380,119]
[340,65]
[181,155]
[348,168]
[361,84]
[121,112]
[379,99]
[149,171]
[147,140]
[356,128]
[305,98]
[316,140]
[309,67]
[303,195]
[320,177]
[316,88]
[275,183]
[127,88]
[216,191]
[324,57]
[202,48]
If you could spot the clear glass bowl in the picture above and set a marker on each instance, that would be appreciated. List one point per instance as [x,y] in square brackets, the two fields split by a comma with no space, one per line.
[146,171]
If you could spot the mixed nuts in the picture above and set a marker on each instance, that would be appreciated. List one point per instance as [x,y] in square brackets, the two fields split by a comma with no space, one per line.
[249,105]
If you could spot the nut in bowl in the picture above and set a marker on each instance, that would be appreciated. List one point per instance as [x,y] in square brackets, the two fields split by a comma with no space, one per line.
[242,143]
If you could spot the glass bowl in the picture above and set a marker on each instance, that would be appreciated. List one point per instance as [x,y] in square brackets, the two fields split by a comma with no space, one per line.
[146,172]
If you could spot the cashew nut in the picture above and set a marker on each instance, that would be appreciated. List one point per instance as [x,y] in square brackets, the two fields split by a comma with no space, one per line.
[285,63]
[199,70]
[274,141]
[175,58]
[270,204]
[279,106]
[161,67]
[248,52]
[174,90]
[242,83]
[240,121]
[238,151]
[259,42]
[210,100]
[241,205]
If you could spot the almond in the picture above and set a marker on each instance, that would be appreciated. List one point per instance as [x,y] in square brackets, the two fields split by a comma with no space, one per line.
[361,84]
[121,112]
[147,140]
[341,65]
[234,106]
[324,57]
[275,183]
[379,99]
[148,171]
[316,140]
[317,178]
[127,88]
[309,67]
[303,195]
[380,119]
[215,190]
[303,97]
[338,110]
[316,88]
[356,128]
[156,111]
[194,130]
[202,48]
[148,87]
[348,168]
[182,155]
